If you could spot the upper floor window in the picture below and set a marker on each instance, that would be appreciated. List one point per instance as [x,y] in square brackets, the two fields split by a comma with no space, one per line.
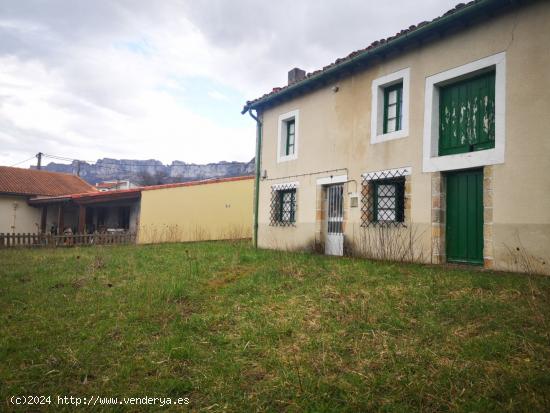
[467,115]
[290,137]
[287,145]
[393,108]
[464,116]
[390,107]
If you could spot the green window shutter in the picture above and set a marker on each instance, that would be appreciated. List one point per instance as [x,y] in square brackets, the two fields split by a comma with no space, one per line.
[467,115]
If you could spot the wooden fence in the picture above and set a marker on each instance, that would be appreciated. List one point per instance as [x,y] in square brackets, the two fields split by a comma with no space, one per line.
[48,240]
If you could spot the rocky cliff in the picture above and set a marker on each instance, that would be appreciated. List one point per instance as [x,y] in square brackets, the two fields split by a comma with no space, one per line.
[151,171]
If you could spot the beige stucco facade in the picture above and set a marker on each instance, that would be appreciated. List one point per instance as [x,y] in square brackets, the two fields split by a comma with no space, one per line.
[334,139]
[206,211]
[17,216]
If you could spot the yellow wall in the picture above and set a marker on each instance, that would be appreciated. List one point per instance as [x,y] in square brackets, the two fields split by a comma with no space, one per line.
[17,216]
[335,128]
[212,211]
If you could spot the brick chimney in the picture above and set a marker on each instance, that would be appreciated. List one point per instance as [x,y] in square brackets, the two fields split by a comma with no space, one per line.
[295,75]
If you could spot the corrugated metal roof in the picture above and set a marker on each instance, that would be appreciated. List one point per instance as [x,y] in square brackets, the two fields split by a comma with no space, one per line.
[34,182]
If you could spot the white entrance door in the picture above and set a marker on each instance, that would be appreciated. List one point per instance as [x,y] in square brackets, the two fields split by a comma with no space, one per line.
[334,244]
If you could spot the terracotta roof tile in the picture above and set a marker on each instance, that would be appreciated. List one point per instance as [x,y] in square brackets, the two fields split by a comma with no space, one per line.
[124,192]
[371,47]
[34,182]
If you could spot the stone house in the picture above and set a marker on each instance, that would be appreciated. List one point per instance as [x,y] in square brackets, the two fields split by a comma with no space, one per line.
[431,145]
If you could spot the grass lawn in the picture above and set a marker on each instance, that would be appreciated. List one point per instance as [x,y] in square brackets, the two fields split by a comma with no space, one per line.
[240,330]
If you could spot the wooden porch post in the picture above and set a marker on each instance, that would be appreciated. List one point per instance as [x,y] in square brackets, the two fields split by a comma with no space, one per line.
[81,219]
[43,219]
[60,223]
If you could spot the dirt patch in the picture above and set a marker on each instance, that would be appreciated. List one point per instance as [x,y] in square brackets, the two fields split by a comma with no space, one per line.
[255,374]
[78,283]
[292,270]
[98,263]
[223,278]
[185,307]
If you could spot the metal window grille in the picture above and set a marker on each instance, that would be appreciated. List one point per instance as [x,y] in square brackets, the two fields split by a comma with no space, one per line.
[383,199]
[283,206]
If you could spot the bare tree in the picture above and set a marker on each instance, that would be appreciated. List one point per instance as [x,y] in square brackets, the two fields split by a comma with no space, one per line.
[147,179]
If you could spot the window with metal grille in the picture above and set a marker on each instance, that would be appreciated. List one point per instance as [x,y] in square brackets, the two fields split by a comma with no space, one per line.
[393,103]
[388,200]
[283,206]
[467,115]
[290,137]
[383,198]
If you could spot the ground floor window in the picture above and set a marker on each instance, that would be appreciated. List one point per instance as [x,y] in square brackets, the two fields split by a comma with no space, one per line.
[383,197]
[283,206]
[388,200]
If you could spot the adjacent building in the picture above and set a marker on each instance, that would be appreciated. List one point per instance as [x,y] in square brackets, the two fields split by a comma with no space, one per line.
[18,186]
[431,145]
[212,209]
[35,201]
[115,185]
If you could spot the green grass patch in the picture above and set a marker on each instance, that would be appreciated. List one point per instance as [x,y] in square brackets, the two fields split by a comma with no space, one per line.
[236,329]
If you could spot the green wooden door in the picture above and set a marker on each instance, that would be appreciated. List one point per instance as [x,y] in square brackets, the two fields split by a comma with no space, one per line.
[464,220]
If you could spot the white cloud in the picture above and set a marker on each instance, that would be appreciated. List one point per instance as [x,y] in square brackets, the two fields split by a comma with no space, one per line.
[214,94]
[107,78]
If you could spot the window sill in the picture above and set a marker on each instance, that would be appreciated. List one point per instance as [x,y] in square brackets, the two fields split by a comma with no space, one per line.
[400,134]
[287,158]
[385,224]
[284,225]
[464,160]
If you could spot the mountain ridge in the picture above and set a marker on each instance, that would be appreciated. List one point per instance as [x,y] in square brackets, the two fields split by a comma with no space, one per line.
[151,171]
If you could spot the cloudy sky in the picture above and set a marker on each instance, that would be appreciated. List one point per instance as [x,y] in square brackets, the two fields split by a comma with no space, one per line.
[166,79]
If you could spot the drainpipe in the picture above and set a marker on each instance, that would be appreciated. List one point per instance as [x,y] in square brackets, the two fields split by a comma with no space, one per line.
[258,168]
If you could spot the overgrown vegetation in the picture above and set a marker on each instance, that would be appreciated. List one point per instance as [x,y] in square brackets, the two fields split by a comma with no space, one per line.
[238,330]
[389,243]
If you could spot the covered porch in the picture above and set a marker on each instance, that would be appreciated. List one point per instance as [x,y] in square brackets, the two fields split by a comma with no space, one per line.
[85,214]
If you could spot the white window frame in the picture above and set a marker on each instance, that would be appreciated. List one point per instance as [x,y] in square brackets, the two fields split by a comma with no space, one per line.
[432,162]
[283,186]
[377,134]
[329,180]
[283,119]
